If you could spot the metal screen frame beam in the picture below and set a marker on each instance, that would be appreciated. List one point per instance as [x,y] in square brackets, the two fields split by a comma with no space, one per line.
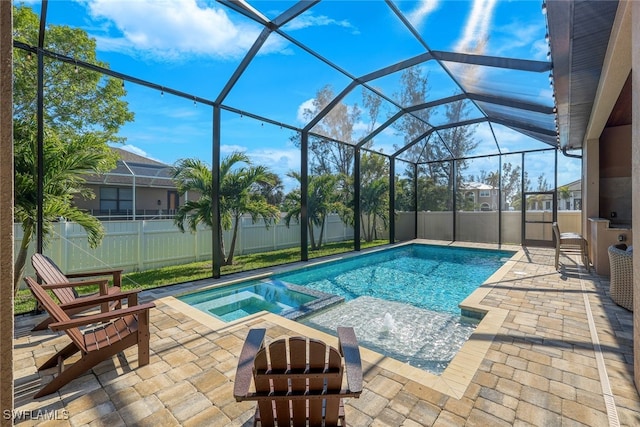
[494,61]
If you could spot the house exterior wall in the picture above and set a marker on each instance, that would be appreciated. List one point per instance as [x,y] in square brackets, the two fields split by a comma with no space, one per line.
[623,55]
[484,199]
[615,174]
[146,199]
[149,202]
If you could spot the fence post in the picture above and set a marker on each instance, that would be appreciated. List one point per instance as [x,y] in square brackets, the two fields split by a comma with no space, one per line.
[141,245]
[196,239]
[63,246]
[274,235]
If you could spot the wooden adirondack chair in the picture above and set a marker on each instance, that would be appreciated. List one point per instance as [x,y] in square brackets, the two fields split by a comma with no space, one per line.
[291,391]
[64,289]
[114,331]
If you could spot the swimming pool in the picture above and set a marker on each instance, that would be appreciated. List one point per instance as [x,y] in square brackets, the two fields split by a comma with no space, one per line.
[402,302]
[433,277]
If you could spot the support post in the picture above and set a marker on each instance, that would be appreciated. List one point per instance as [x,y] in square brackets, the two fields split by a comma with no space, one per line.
[6,213]
[216,229]
[304,196]
[356,200]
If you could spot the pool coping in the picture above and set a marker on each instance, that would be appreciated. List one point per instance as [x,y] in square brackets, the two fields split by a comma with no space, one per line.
[456,377]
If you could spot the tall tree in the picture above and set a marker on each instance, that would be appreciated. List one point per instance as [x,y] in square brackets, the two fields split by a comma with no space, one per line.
[272,189]
[327,156]
[83,111]
[511,183]
[240,185]
[414,91]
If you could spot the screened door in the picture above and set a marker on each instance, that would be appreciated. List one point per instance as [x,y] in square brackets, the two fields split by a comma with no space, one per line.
[539,211]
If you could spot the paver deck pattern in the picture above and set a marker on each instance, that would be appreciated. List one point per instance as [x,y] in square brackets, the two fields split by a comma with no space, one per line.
[540,368]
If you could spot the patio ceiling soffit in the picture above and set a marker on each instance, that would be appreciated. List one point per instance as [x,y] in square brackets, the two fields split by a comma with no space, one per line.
[579,33]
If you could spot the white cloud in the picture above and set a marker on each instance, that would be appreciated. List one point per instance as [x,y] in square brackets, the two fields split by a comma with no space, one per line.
[474,39]
[519,39]
[304,109]
[228,149]
[361,127]
[273,158]
[476,31]
[420,14]
[171,28]
[308,19]
[280,161]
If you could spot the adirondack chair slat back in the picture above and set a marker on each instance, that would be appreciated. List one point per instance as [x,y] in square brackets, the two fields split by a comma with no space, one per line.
[54,311]
[298,356]
[49,272]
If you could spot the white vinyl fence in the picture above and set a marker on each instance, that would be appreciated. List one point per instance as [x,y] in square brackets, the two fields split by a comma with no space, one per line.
[147,244]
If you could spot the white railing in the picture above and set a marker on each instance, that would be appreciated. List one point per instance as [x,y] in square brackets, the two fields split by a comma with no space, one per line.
[147,244]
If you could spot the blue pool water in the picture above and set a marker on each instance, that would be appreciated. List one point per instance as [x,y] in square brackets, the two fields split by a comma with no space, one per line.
[234,302]
[401,302]
[431,277]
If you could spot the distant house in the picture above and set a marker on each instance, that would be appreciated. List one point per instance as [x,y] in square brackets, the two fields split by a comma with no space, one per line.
[571,199]
[138,188]
[483,197]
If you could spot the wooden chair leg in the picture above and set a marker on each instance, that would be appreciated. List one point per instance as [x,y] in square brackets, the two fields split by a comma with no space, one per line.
[63,354]
[42,325]
[143,339]
[69,374]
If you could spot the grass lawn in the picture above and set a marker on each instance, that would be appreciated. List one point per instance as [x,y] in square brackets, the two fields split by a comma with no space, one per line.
[24,301]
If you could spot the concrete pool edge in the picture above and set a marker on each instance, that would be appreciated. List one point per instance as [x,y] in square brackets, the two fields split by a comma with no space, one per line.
[456,377]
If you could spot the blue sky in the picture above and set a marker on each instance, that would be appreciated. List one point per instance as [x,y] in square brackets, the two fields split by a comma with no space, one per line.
[195,46]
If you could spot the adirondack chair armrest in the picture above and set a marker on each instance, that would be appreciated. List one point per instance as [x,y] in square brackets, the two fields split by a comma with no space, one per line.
[75,284]
[95,300]
[349,349]
[116,274]
[244,371]
[101,317]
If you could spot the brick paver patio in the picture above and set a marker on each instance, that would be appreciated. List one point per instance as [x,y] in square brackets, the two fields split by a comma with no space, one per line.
[560,356]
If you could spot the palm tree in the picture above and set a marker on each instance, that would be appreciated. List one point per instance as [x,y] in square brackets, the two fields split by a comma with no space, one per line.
[66,164]
[374,205]
[240,184]
[564,192]
[374,194]
[322,199]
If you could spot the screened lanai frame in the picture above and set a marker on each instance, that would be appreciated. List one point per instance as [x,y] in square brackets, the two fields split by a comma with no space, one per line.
[525,113]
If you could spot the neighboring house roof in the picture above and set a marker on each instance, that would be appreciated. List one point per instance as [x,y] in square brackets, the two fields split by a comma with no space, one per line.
[574,185]
[129,157]
[130,166]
